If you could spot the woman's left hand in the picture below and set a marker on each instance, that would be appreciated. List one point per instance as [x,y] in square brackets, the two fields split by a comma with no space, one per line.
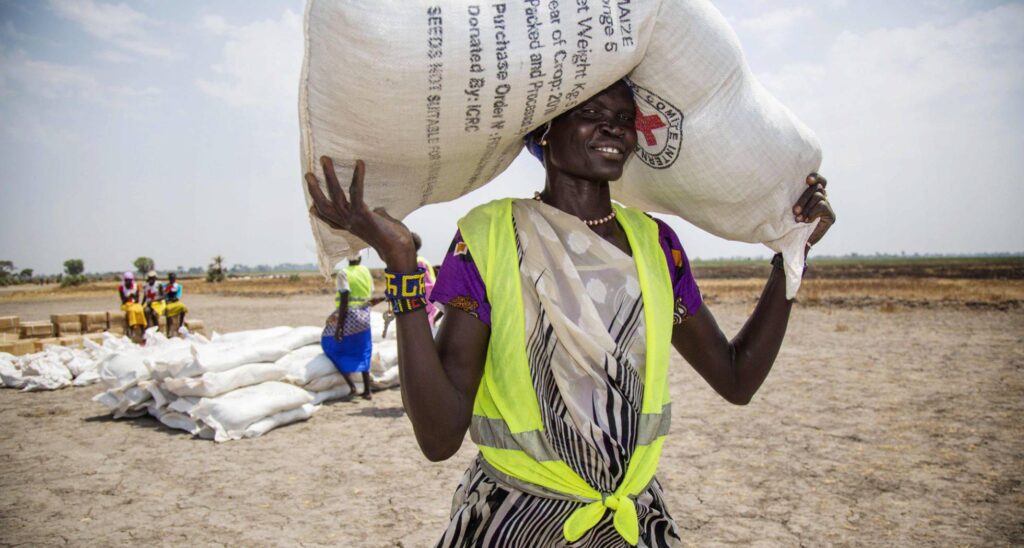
[813,204]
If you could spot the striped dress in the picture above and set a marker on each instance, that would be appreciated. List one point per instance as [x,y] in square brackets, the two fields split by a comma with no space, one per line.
[590,411]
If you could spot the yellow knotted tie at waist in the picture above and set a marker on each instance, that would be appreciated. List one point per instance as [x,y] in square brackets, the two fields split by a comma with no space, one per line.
[585,518]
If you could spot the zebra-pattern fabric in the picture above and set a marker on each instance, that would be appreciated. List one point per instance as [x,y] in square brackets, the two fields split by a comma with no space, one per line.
[586,348]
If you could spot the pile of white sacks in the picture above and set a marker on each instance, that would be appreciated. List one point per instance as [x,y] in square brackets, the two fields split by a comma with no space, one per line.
[57,366]
[232,386]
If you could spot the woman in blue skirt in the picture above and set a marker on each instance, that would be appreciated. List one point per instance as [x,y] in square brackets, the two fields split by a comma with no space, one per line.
[346,339]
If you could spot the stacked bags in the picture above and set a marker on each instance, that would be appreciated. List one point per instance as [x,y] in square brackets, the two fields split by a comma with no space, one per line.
[233,386]
[464,82]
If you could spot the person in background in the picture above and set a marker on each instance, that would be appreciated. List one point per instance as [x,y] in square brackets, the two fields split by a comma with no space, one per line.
[152,300]
[433,314]
[174,309]
[129,292]
[346,339]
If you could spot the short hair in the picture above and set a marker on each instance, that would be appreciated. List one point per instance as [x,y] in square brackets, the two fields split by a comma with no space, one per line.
[416,241]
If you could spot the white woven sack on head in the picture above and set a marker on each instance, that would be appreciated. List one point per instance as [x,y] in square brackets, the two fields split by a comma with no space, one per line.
[716,150]
[436,95]
[714,147]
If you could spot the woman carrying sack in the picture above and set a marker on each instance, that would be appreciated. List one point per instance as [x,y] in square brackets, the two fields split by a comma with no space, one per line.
[559,316]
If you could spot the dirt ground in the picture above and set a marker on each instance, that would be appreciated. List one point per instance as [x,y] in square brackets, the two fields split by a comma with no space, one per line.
[878,426]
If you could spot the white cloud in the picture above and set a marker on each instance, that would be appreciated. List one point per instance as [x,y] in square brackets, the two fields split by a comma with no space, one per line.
[916,120]
[260,63]
[772,27]
[114,56]
[116,24]
[31,78]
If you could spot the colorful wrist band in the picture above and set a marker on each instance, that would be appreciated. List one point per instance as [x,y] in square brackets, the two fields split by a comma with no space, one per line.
[405,291]
[404,285]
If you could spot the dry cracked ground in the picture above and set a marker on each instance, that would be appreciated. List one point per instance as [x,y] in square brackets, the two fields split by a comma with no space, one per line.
[892,428]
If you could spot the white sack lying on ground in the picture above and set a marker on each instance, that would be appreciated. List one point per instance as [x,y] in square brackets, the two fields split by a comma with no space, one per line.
[305,365]
[465,82]
[218,357]
[230,414]
[215,384]
[263,426]
[253,334]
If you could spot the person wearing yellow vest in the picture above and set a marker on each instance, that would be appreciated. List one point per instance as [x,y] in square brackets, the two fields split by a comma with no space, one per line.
[346,339]
[560,312]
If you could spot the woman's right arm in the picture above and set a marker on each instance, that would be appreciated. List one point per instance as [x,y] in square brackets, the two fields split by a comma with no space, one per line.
[439,380]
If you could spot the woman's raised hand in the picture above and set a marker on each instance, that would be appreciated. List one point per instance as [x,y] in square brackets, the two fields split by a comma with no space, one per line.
[813,204]
[387,235]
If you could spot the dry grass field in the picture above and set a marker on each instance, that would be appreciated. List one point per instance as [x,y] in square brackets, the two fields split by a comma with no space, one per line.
[893,417]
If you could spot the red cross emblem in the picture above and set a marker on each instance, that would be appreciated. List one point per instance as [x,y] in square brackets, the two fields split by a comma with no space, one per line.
[647,125]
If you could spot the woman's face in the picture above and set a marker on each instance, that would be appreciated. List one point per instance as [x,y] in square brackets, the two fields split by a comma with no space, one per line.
[593,140]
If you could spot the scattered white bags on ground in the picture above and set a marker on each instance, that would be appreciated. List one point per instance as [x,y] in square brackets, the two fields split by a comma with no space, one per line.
[237,385]
[58,366]
[234,386]
[465,82]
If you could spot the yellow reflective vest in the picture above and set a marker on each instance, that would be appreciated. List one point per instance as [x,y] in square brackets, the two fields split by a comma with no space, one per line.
[360,286]
[506,414]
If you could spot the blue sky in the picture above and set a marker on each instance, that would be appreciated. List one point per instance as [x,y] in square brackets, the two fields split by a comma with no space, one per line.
[169,129]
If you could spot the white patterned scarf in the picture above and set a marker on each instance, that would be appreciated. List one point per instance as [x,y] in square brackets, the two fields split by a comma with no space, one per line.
[585,340]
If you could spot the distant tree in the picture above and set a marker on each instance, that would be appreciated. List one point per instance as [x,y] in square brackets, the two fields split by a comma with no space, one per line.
[215,272]
[144,265]
[25,274]
[74,267]
[6,268]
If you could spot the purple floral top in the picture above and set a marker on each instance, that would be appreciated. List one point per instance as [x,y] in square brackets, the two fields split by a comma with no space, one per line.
[459,284]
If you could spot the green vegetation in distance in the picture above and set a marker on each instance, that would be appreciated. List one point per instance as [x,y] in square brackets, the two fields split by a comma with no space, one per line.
[873,260]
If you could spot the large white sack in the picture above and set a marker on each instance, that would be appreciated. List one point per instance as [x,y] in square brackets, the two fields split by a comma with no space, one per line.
[125,402]
[11,375]
[252,334]
[179,421]
[385,356]
[726,155]
[214,384]
[183,405]
[325,382]
[301,372]
[263,426]
[336,393]
[43,371]
[463,85]
[387,379]
[435,96]
[229,415]
[123,368]
[223,356]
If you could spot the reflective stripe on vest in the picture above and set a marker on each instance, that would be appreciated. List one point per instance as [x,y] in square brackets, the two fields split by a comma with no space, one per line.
[506,414]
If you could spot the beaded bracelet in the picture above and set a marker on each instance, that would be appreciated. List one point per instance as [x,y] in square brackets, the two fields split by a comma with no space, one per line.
[405,291]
